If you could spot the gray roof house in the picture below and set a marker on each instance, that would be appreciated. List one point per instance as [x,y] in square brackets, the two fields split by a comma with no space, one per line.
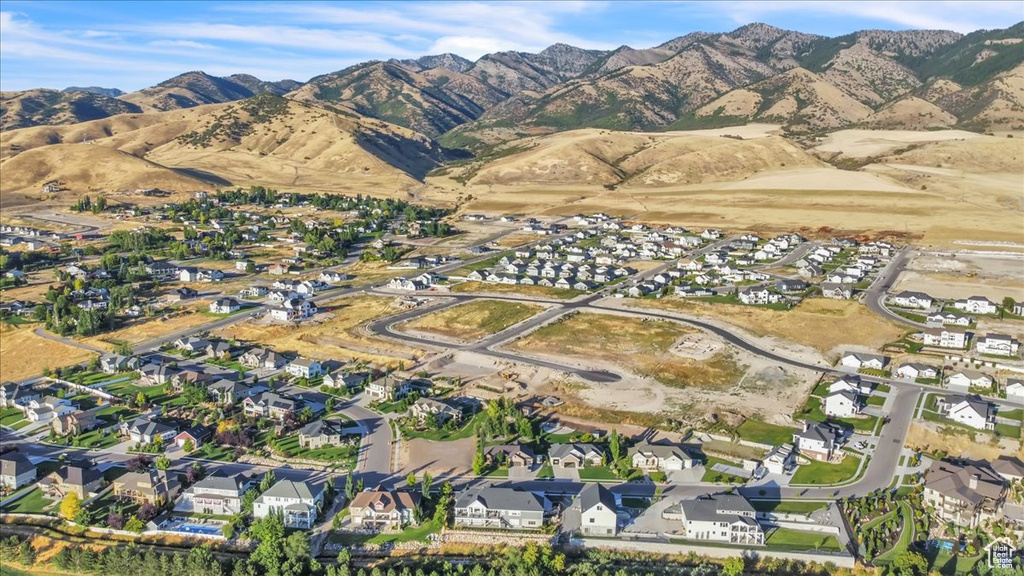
[299,502]
[320,433]
[594,512]
[15,471]
[503,508]
[722,518]
[964,494]
[575,455]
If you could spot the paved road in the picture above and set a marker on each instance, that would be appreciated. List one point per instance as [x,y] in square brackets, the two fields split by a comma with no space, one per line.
[44,334]
[874,296]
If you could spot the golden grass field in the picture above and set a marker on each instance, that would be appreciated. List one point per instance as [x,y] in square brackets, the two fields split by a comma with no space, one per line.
[816,322]
[473,320]
[143,329]
[338,337]
[638,344]
[24,354]
[540,291]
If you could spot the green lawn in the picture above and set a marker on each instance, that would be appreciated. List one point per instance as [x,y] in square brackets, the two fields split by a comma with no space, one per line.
[876,400]
[1017,414]
[765,433]
[467,429]
[231,364]
[824,473]
[413,533]
[211,451]
[1008,430]
[128,390]
[716,476]
[340,455]
[597,473]
[497,473]
[787,506]
[906,536]
[32,503]
[95,439]
[786,539]
[13,418]
[545,472]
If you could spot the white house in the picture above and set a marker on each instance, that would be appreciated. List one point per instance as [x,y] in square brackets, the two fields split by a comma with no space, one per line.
[970,411]
[998,345]
[842,404]
[597,511]
[663,457]
[298,502]
[945,337]
[15,470]
[1015,391]
[860,360]
[818,440]
[224,306]
[758,295]
[305,368]
[721,518]
[976,305]
[909,299]
[963,380]
[218,493]
[913,371]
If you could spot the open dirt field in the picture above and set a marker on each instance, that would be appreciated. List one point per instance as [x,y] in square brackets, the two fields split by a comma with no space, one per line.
[23,354]
[474,320]
[642,345]
[960,275]
[821,324]
[925,436]
[866,143]
[143,329]
[419,455]
[337,334]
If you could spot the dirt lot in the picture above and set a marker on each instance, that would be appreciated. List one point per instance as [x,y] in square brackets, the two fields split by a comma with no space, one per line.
[143,329]
[926,436]
[474,320]
[338,334]
[23,354]
[455,457]
[821,324]
[961,275]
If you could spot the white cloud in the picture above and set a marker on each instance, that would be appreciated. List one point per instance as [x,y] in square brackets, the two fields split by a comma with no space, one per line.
[182,44]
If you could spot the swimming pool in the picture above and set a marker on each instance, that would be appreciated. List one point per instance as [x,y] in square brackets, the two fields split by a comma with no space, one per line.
[197,529]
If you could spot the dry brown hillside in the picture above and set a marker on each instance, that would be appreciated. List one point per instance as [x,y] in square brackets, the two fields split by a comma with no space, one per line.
[910,112]
[267,140]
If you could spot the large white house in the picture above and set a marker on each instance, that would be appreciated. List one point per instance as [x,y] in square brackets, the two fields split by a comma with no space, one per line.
[909,299]
[595,510]
[298,502]
[663,457]
[1015,391]
[970,411]
[818,440]
[721,518]
[945,337]
[913,371]
[998,345]
[218,494]
[842,404]
[963,380]
[860,360]
[305,368]
[976,305]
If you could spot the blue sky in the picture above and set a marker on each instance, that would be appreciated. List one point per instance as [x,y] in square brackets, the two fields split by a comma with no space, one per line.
[131,45]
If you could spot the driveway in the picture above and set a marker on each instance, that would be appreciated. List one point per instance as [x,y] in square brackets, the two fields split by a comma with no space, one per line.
[566,473]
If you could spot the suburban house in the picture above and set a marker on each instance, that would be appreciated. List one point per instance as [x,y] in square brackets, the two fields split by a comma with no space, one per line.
[113,363]
[575,455]
[294,309]
[226,392]
[224,306]
[835,290]
[976,305]
[851,383]
[347,380]
[860,360]
[1015,391]
[779,459]
[842,404]
[145,431]
[907,299]
[154,374]
[721,518]
[963,380]
[299,502]
[192,345]
[218,493]
[320,433]
[15,471]
[73,424]
[511,455]
[756,295]
[949,318]
[970,411]
[945,337]
[819,440]
[262,358]
[660,457]
[965,494]
[154,486]
[48,408]
[998,345]
[270,405]
[305,368]
[594,512]
[197,434]
[77,477]
[383,509]
[393,387]
[1008,468]
[913,371]
[503,508]
[12,395]
[423,408]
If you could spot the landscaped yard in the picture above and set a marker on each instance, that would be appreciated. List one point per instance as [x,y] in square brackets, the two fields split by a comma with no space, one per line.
[1009,430]
[31,503]
[465,431]
[12,417]
[812,411]
[716,476]
[95,439]
[473,320]
[597,473]
[545,472]
[128,390]
[413,533]
[212,451]
[339,455]
[825,473]
[786,539]
[765,433]
[787,506]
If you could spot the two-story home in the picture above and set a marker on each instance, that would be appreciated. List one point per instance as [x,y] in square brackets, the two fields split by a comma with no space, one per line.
[660,457]
[113,363]
[913,371]
[224,306]
[442,411]
[47,408]
[146,431]
[819,440]
[976,305]
[270,405]
[908,299]
[298,502]
[262,358]
[305,368]
[965,494]
[12,395]
[218,493]
[79,477]
[501,508]
[728,518]
[594,512]
[842,404]
[383,509]
[75,423]
[320,433]
[968,410]
[576,455]
[945,337]
[998,345]
[153,486]
[346,380]
[393,387]
[16,470]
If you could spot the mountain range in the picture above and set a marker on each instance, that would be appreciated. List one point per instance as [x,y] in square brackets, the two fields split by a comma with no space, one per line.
[808,84]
